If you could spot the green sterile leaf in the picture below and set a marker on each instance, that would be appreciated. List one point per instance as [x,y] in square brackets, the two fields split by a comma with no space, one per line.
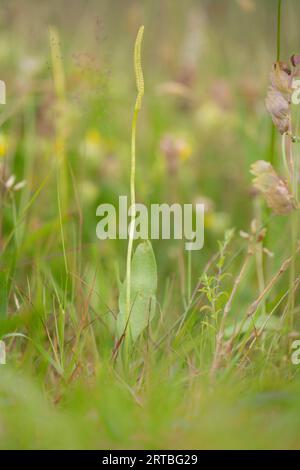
[3,295]
[143,292]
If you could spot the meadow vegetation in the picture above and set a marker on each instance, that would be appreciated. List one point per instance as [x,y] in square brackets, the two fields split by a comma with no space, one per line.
[120,344]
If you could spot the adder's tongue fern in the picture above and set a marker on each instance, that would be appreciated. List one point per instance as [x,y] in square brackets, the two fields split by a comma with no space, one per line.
[138,68]
[138,103]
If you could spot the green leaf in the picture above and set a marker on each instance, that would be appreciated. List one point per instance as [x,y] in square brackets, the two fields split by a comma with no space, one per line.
[143,292]
[3,295]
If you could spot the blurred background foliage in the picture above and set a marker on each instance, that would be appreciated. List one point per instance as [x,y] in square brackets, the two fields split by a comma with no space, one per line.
[203,122]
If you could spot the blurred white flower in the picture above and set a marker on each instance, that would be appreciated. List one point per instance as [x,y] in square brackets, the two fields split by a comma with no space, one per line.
[10,184]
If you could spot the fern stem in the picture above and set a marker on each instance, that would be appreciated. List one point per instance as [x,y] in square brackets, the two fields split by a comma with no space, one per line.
[132,223]
[140,89]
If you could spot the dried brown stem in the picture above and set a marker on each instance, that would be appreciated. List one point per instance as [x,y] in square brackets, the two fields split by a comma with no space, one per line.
[227,309]
[254,306]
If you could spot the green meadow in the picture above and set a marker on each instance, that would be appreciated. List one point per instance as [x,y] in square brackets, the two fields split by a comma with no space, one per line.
[143,344]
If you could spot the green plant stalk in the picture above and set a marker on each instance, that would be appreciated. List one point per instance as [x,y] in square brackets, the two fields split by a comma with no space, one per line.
[278,51]
[259,257]
[271,152]
[60,124]
[137,107]
[189,286]
[260,271]
[294,232]
[60,92]
[278,30]
[132,224]
[291,300]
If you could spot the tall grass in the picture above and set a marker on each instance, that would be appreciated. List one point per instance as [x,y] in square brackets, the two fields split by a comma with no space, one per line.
[212,367]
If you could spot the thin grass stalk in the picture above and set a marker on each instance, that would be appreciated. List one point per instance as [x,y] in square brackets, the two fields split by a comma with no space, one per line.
[294,233]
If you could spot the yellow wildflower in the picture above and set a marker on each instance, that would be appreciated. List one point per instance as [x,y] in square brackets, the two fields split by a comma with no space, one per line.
[3,145]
